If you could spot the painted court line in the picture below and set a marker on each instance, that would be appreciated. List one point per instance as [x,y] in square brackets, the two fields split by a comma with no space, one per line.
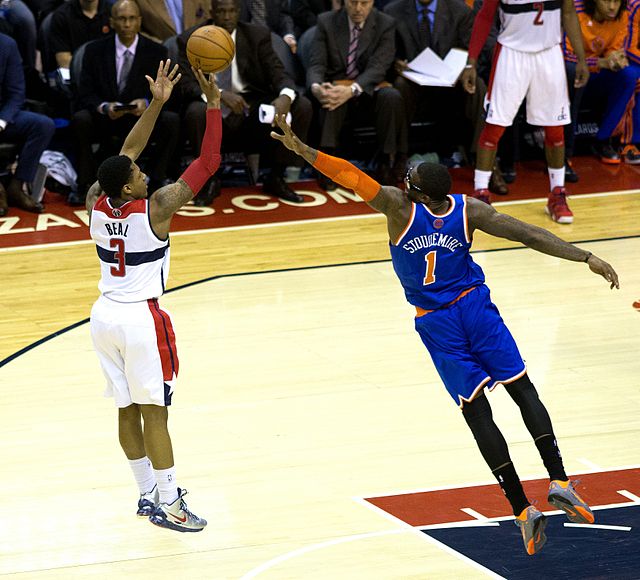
[590,464]
[493,482]
[598,527]
[317,220]
[631,496]
[474,514]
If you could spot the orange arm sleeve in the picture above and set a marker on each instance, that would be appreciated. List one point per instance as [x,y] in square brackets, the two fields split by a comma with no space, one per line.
[347,175]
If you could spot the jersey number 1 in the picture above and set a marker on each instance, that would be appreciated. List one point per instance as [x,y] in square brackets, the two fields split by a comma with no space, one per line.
[539,6]
[430,276]
[119,271]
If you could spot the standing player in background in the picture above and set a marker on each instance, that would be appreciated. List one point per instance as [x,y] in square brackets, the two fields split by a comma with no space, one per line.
[430,235]
[132,335]
[528,62]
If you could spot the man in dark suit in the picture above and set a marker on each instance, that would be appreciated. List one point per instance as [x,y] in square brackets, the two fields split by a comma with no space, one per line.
[256,76]
[113,92]
[30,131]
[440,25]
[274,14]
[352,51]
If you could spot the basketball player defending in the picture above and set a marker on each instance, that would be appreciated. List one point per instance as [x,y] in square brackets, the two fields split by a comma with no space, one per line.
[132,335]
[431,233]
[528,62]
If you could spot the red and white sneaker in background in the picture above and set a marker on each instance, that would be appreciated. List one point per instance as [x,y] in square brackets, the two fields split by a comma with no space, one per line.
[482,195]
[557,207]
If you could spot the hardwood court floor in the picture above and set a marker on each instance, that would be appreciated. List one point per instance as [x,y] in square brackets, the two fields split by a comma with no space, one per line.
[300,390]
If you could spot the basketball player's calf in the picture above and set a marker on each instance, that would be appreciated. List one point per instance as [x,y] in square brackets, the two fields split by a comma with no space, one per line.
[493,447]
[562,494]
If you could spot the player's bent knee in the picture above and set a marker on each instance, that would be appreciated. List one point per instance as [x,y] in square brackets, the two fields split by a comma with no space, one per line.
[554,136]
[490,136]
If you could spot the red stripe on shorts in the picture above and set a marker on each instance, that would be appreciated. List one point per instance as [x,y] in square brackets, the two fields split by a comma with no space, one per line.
[166,340]
[494,64]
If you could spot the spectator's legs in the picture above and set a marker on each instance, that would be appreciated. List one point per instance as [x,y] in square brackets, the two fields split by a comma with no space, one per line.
[165,140]
[83,130]
[34,132]
[391,125]
[24,27]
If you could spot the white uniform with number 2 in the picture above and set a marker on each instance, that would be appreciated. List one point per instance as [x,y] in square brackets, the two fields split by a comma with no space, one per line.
[528,63]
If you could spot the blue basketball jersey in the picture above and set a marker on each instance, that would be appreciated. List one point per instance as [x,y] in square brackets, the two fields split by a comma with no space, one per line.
[431,257]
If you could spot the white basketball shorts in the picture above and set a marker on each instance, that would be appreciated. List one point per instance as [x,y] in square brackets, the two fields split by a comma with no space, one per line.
[136,346]
[540,77]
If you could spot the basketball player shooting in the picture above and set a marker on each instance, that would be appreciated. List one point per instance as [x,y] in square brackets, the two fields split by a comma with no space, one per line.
[430,235]
[132,335]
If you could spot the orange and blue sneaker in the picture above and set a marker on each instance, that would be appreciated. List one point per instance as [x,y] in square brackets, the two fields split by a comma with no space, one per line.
[532,523]
[563,496]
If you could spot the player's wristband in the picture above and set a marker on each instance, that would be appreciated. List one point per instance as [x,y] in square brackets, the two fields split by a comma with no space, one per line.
[589,254]
[347,175]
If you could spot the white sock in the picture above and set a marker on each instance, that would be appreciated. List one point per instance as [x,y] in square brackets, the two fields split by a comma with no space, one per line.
[143,473]
[556,177]
[481,179]
[167,486]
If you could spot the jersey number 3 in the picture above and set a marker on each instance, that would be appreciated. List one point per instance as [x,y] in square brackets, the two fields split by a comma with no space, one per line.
[430,274]
[539,6]
[119,270]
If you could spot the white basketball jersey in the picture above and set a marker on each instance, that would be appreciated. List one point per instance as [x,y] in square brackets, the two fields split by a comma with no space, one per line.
[134,262]
[530,26]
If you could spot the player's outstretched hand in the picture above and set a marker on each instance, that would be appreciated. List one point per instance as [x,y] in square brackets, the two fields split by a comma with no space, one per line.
[289,139]
[166,79]
[605,270]
[208,86]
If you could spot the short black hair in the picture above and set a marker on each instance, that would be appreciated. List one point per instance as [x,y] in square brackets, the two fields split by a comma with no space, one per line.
[114,173]
[433,180]
[590,8]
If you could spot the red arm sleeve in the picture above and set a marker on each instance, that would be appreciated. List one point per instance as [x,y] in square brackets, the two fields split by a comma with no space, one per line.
[201,169]
[482,26]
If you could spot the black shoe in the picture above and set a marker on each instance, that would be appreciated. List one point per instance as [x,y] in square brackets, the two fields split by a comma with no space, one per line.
[570,174]
[606,153]
[278,187]
[508,172]
[77,198]
[497,183]
[325,183]
[208,193]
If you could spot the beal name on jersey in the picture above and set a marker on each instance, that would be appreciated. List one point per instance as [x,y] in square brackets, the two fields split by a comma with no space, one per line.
[117,229]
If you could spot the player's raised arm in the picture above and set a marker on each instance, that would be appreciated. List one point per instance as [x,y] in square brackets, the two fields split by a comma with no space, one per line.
[385,199]
[483,217]
[136,140]
[169,199]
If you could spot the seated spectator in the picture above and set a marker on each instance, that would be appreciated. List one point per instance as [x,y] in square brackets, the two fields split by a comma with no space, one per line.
[441,26]
[305,12]
[23,24]
[274,14]
[74,23]
[256,76]
[612,81]
[162,19]
[31,131]
[112,94]
[352,52]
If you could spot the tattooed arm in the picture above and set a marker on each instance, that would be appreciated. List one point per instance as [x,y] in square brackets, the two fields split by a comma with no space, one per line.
[165,202]
[484,217]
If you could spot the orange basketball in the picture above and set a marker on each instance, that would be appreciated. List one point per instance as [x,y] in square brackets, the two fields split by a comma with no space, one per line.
[210,48]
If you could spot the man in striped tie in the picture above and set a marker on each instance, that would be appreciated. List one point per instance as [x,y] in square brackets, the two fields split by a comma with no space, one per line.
[352,53]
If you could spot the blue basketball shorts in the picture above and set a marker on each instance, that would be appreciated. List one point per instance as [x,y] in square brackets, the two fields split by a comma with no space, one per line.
[470,345]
